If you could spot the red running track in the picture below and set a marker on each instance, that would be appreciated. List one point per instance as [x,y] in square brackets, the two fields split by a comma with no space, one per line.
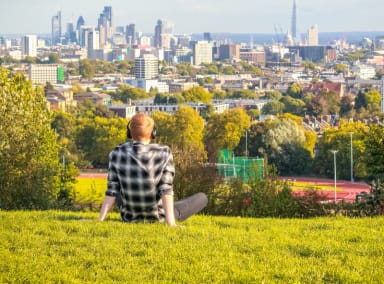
[345,190]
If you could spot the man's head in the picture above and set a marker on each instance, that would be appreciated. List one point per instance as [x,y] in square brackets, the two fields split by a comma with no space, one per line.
[141,128]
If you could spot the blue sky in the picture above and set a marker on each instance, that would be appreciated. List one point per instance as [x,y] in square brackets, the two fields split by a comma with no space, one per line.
[197,16]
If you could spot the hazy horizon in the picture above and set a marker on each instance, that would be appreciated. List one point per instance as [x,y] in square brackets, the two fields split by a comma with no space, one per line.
[215,16]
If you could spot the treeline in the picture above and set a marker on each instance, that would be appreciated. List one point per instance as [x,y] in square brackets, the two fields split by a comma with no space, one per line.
[41,152]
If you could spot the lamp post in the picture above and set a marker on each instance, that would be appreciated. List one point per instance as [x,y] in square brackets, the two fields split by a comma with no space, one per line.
[246,143]
[334,168]
[351,133]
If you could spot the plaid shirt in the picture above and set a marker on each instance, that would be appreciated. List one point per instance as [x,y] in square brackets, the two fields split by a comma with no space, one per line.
[141,174]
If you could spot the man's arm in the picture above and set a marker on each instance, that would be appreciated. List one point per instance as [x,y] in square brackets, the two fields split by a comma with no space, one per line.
[167,200]
[107,205]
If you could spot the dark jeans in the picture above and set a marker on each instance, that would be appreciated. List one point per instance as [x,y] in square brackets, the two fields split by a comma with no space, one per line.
[186,207]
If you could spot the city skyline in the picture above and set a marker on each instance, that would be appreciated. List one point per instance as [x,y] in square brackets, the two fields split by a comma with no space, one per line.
[247,16]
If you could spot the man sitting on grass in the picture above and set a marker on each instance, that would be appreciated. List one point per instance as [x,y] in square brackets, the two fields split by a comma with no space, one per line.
[140,179]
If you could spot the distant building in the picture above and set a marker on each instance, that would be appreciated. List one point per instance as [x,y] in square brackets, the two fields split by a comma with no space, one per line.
[96,98]
[314,53]
[43,73]
[124,111]
[105,25]
[163,34]
[56,29]
[130,34]
[325,86]
[29,45]
[93,40]
[149,84]
[207,36]
[255,57]
[202,52]
[146,67]
[363,71]
[229,51]
[313,36]
[60,99]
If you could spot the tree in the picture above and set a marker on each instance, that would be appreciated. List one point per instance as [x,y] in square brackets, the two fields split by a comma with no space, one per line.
[86,69]
[95,138]
[223,131]
[273,107]
[283,142]
[53,58]
[124,93]
[184,129]
[197,94]
[29,164]
[295,91]
[346,106]
[368,100]
[339,139]
[294,106]
[341,68]
[374,152]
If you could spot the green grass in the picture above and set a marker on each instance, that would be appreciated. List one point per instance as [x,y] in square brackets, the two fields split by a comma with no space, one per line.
[90,190]
[59,247]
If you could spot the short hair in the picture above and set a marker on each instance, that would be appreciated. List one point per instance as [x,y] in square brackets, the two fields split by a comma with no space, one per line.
[141,126]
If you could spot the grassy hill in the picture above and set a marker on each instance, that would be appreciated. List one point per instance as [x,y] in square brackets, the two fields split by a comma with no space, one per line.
[70,247]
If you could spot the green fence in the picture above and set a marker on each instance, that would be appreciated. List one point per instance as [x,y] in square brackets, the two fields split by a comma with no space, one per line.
[244,167]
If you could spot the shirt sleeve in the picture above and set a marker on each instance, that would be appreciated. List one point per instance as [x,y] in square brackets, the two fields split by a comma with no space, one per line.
[113,185]
[165,185]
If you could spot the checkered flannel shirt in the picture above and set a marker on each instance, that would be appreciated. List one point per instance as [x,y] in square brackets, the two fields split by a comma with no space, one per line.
[141,174]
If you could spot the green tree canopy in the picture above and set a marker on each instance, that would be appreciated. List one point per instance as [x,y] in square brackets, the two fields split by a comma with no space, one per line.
[223,131]
[339,139]
[197,94]
[29,164]
[295,91]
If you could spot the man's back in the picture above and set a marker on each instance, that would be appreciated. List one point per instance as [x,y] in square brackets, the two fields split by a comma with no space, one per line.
[140,173]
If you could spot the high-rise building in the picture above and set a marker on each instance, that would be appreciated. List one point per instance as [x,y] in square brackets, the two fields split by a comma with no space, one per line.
[294,22]
[202,52]
[70,35]
[163,32]
[207,36]
[29,45]
[146,67]
[56,28]
[313,36]
[130,34]
[93,43]
[105,25]
[83,35]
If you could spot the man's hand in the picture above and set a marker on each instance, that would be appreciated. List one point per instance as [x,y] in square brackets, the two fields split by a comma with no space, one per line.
[107,205]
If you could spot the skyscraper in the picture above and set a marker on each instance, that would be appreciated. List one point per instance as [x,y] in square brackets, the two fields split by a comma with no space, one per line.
[313,36]
[105,25]
[56,28]
[163,32]
[130,34]
[293,23]
[92,43]
[29,45]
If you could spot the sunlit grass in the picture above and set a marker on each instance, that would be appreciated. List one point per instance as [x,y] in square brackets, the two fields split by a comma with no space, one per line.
[69,247]
[90,190]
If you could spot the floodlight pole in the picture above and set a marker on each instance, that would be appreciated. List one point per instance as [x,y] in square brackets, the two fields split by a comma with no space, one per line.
[334,168]
[351,133]
[246,143]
